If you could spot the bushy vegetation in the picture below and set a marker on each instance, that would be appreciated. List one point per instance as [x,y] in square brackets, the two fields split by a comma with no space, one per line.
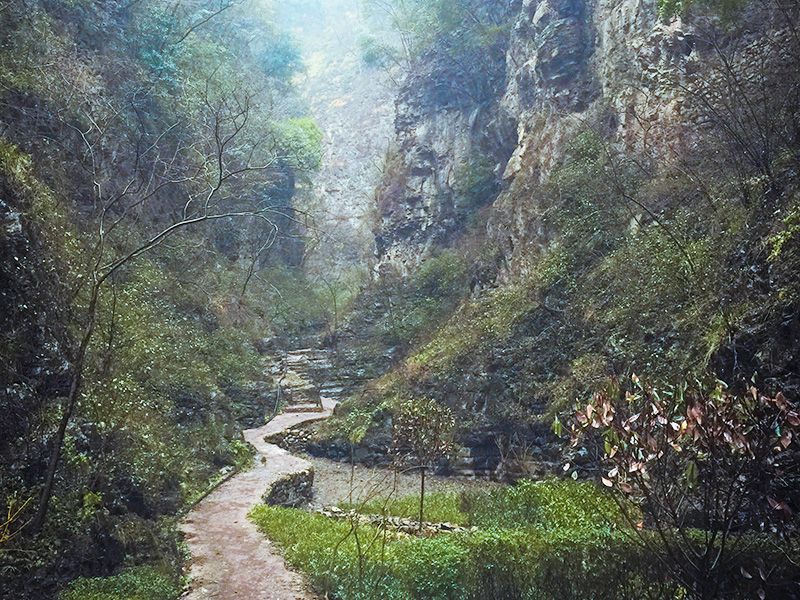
[534,541]
[147,176]
[707,469]
[423,24]
[528,555]
[468,39]
[551,505]
[668,9]
[156,417]
[300,141]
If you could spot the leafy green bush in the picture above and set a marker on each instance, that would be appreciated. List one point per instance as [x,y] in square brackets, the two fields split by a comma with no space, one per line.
[280,57]
[171,360]
[300,142]
[435,568]
[141,583]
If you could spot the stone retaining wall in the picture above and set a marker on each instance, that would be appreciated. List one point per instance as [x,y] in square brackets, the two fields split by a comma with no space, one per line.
[291,491]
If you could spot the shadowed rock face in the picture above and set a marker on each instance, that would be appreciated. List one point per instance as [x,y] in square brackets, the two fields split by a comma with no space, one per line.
[443,120]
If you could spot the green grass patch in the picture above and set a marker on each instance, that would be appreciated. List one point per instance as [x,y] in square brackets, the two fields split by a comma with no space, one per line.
[443,507]
[140,583]
[538,541]
[548,506]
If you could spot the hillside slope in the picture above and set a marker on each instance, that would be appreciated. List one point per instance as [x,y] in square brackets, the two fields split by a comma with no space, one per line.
[621,196]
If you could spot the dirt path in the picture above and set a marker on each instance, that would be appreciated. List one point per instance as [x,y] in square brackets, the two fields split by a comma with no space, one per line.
[230,558]
[335,483]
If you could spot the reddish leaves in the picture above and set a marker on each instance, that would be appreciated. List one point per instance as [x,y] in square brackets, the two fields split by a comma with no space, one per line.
[641,428]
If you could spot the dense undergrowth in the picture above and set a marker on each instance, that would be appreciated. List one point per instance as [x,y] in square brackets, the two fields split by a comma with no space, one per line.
[142,583]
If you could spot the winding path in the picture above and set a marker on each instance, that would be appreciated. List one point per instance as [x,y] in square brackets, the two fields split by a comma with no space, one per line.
[230,558]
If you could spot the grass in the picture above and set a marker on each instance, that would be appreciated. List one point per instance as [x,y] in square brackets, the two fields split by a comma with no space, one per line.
[538,541]
[441,507]
[549,505]
[139,583]
[546,506]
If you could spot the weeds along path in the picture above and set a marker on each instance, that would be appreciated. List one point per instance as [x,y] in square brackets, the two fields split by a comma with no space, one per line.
[230,559]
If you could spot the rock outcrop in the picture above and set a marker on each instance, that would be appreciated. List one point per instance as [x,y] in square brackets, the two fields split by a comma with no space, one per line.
[568,63]
[634,186]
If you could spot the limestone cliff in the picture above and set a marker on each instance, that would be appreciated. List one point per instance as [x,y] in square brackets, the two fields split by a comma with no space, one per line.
[621,193]
[567,62]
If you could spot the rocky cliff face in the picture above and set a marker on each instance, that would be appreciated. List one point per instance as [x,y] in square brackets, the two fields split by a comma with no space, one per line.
[640,168]
[568,62]
[346,99]
[447,139]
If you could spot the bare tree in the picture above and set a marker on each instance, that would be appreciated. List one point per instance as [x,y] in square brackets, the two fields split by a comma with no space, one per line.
[209,174]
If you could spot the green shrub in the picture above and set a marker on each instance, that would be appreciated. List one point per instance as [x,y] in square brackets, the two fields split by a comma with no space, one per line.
[361,563]
[300,142]
[335,558]
[280,57]
[141,583]
[511,564]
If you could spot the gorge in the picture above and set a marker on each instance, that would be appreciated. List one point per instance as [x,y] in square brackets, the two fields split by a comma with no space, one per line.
[541,256]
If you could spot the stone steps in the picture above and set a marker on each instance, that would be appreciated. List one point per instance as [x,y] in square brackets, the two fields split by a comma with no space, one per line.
[306,376]
[302,408]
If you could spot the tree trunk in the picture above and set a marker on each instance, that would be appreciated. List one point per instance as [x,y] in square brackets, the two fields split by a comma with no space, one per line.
[422,499]
[72,399]
[55,453]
